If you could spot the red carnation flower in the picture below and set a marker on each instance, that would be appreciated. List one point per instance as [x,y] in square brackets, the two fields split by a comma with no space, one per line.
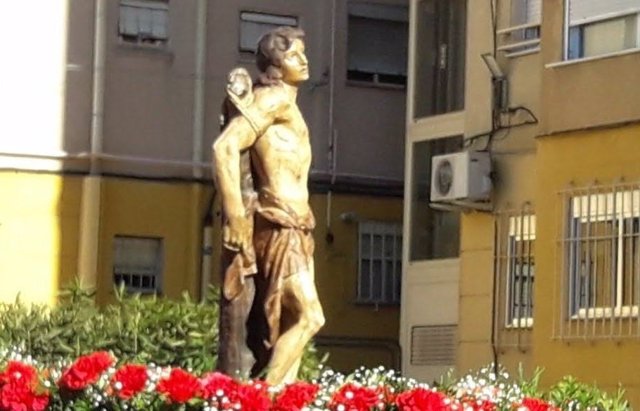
[86,370]
[16,396]
[180,386]
[535,404]
[253,396]
[216,384]
[17,371]
[131,378]
[422,399]
[18,389]
[295,396]
[354,398]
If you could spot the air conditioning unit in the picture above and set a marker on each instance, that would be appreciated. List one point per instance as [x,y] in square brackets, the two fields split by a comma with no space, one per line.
[462,176]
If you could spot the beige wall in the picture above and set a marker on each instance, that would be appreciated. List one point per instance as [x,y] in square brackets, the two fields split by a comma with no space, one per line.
[149,98]
[514,176]
[583,94]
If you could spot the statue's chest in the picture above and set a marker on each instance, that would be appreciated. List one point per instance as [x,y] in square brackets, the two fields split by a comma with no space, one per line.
[288,136]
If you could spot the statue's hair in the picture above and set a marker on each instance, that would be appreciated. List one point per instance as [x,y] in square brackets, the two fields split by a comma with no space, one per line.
[271,50]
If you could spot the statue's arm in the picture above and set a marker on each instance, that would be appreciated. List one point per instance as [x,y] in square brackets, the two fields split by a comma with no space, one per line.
[240,134]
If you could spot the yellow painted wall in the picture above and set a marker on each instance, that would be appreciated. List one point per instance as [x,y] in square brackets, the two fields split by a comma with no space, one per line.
[172,211]
[38,234]
[336,277]
[581,158]
[336,267]
[515,176]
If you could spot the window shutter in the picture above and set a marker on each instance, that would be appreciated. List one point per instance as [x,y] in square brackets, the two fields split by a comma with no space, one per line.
[145,23]
[159,24]
[377,46]
[128,23]
[534,11]
[585,11]
[254,25]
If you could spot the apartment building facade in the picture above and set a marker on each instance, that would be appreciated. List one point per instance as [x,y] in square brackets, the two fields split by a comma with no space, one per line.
[546,272]
[108,113]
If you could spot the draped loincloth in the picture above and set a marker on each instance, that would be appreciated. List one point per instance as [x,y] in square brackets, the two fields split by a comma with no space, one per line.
[282,246]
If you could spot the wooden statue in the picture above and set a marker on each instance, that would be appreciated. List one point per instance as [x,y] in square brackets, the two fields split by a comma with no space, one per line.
[262,160]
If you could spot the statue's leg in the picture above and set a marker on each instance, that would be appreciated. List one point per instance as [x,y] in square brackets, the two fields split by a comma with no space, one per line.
[300,299]
[234,356]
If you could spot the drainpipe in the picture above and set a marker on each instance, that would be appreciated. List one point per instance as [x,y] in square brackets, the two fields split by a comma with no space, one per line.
[89,235]
[331,152]
[202,231]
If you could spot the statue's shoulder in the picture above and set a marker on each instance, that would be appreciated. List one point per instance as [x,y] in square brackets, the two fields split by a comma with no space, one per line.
[271,99]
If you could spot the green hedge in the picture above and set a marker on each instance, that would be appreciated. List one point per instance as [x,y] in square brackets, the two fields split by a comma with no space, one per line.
[143,329]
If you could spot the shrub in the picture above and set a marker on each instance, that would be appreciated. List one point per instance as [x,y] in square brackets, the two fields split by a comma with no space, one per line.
[135,329]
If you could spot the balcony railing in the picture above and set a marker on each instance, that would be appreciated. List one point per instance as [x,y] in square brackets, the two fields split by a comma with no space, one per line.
[519,40]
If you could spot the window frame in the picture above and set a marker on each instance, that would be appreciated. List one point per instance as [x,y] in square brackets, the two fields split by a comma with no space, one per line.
[571,35]
[521,228]
[139,40]
[157,269]
[618,215]
[255,16]
[377,78]
[517,39]
[372,228]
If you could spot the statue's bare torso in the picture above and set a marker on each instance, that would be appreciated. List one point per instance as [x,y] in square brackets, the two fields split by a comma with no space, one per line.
[282,157]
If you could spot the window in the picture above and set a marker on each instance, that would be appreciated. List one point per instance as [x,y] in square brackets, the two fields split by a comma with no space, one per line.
[520,270]
[596,27]
[380,262]
[254,25]
[440,57]
[377,43]
[137,263]
[604,254]
[435,234]
[524,33]
[515,237]
[144,22]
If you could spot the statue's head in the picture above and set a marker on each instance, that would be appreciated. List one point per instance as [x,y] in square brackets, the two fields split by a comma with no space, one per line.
[281,57]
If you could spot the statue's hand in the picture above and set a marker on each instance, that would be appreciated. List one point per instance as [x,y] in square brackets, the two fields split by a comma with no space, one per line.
[236,233]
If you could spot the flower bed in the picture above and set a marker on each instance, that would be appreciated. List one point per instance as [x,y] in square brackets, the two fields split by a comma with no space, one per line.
[95,381]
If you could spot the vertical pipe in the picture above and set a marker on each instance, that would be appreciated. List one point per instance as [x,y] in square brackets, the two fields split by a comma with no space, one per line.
[201,235]
[331,151]
[199,86]
[89,230]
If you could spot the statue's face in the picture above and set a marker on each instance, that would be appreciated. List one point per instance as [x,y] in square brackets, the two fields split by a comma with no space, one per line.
[295,66]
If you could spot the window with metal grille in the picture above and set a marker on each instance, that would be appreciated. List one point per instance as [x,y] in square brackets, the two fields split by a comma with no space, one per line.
[254,25]
[377,43]
[601,263]
[515,274]
[137,263]
[144,21]
[603,253]
[523,35]
[596,27]
[380,262]
[520,267]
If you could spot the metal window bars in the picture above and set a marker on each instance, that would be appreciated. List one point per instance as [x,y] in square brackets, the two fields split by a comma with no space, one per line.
[380,262]
[514,255]
[598,263]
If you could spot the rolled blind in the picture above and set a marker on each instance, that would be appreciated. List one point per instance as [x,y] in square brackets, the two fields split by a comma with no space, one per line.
[534,11]
[525,11]
[377,46]
[584,11]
